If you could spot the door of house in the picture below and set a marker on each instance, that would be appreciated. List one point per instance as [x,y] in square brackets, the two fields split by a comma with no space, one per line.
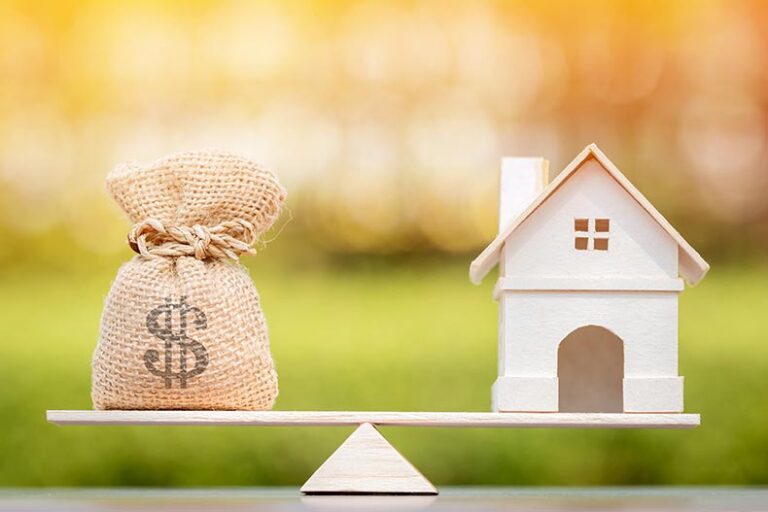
[590,369]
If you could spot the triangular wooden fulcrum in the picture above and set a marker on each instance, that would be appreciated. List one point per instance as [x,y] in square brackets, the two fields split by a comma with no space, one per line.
[367,464]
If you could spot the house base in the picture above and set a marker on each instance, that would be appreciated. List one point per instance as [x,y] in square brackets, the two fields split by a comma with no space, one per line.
[653,394]
[525,394]
[541,394]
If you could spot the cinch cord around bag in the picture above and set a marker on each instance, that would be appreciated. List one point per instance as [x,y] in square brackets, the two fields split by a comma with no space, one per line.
[229,239]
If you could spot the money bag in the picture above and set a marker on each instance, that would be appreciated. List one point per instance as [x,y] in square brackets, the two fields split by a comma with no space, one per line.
[182,326]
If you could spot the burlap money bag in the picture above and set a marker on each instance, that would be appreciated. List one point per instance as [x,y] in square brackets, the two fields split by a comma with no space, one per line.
[182,326]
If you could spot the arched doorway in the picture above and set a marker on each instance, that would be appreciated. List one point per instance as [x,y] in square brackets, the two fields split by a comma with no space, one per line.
[590,369]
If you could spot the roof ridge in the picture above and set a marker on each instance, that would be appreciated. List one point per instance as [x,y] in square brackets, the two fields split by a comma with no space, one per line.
[691,265]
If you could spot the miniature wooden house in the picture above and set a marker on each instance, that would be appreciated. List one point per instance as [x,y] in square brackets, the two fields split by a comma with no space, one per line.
[589,277]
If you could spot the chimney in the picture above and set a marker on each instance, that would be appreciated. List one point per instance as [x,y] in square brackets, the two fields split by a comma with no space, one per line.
[522,180]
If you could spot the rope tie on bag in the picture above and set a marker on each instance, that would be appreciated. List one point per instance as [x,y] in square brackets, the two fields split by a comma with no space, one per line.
[229,239]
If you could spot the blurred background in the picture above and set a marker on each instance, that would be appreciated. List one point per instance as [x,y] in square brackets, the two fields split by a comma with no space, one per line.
[385,121]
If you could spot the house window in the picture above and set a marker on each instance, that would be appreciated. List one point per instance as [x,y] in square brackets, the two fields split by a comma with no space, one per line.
[591,234]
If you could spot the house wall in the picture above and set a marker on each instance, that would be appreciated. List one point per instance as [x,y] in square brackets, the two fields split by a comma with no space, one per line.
[543,245]
[533,323]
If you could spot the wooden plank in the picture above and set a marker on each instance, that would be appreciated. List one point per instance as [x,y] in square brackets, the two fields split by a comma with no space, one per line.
[411,419]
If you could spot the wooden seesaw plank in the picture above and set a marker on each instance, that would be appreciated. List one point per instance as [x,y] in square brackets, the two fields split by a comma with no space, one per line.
[411,419]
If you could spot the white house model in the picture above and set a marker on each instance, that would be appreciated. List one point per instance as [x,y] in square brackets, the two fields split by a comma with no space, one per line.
[589,277]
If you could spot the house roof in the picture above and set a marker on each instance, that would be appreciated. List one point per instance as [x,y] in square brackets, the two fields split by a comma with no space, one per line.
[691,265]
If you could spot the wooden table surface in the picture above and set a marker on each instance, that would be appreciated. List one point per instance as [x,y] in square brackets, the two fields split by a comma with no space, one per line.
[450,499]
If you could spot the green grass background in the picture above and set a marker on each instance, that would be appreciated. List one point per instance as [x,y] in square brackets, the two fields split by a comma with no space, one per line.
[401,336]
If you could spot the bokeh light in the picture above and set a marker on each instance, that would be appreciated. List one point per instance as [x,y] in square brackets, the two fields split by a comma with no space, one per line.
[386,120]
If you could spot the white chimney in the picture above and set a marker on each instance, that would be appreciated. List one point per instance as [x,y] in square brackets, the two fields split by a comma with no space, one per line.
[522,180]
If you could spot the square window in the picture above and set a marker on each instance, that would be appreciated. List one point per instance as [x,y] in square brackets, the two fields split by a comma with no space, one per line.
[601,244]
[602,225]
[582,243]
[581,224]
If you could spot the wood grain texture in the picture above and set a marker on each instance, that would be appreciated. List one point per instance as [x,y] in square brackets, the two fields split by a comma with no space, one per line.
[367,464]
[392,418]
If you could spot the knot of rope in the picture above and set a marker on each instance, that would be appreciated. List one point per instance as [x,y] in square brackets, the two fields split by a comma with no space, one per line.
[229,239]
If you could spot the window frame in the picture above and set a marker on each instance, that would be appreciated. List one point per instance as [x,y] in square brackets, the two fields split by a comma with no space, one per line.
[591,233]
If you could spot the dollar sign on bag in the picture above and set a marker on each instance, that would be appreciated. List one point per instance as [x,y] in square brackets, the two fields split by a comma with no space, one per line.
[164,331]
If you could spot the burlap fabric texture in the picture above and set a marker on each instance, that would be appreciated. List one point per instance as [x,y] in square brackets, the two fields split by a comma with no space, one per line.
[182,326]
